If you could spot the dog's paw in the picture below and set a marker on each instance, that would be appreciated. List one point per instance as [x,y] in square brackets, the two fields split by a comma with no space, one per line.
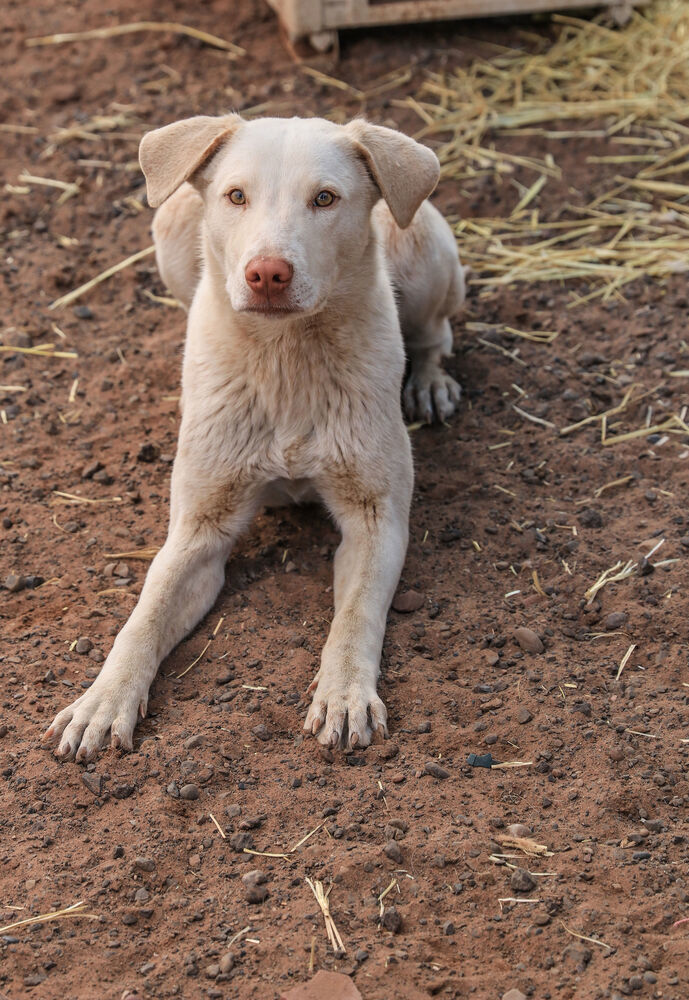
[430,393]
[108,707]
[346,713]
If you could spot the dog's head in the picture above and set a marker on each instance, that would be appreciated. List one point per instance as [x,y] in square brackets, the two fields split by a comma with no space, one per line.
[288,201]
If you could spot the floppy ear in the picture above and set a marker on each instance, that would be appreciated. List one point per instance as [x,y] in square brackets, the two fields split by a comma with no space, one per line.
[172,154]
[404,171]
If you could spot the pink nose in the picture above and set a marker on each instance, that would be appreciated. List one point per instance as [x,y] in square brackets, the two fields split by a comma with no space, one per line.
[268,277]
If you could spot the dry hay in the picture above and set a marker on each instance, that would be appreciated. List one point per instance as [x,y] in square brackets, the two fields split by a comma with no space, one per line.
[627,87]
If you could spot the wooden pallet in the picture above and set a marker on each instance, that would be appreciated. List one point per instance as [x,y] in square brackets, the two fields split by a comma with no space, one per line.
[313,18]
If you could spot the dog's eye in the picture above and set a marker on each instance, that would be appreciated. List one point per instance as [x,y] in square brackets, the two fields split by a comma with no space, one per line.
[236,196]
[323,199]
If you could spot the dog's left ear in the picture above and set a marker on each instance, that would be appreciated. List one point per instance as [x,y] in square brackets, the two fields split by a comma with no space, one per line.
[404,171]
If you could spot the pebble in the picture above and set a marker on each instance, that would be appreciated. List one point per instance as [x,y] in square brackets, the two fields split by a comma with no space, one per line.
[145,864]
[3,731]
[14,583]
[189,792]
[192,742]
[392,850]
[522,881]
[261,732]
[514,994]
[84,645]
[523,715]
[518,830]
[448,928]
[616,753]
[392,919]
[238,841]
[93,782]
[333,985]
[257,894]
[148,452]
[211,971]
[615,620]
[408,601]
[435,770]
[492,657]
[226,963]
[528,640]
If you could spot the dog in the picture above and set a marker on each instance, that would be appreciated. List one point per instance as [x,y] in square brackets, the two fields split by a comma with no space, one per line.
[303,251]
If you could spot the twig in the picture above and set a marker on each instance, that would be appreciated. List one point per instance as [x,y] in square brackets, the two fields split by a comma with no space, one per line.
[75,910]
[582,937]
[72,296]
[128,29]
[323,901]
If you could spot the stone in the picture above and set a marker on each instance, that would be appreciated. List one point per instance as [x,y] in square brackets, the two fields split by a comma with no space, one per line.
[14,583]
[518,830]
[332,985]
[148,452]
[514,994]
[189,792]
[93,782]
[522,880]
[261,732]
[615,620]
[145,864]
[392,850]
[408,601]
[435,770]
[523,715]
[528,640]
[392,919]
[84,645]
[226,963]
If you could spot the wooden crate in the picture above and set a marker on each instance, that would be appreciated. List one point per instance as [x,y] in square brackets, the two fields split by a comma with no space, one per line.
[311,18]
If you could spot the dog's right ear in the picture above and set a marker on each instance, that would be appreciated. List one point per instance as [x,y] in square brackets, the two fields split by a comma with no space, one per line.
[172,154]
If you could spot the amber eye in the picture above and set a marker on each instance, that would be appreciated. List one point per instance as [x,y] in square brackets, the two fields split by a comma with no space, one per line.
[323,199]
[236,196]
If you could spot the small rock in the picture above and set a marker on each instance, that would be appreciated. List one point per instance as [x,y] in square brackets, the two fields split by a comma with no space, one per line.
[194,860]
[84,645]
[392,919]
[261,732]
[591,518]
[93,782]
[192,742]
[14,583]
[83,312]
[189,792]
[257,894]
[514,994]
[518,830]
[238,841]
[392,850]
[118,851]
[448,928]
[123,790]
[616,754]
[615,620]
[148,452]
[211,971]
[3,731]
[528,640]
[435,770]
[492,657]
[424,727]
[523,715]
[522,880]
[226,963]
[145,864]
[410,600]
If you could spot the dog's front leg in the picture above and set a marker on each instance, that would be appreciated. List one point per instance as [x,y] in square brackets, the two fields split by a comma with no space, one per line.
[181,585]
[368,563]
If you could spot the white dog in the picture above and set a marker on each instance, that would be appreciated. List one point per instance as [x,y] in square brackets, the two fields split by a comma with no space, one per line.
[289,263]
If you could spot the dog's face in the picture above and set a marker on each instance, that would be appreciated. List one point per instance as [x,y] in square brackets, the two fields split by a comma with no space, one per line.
[287,207]
[288,201]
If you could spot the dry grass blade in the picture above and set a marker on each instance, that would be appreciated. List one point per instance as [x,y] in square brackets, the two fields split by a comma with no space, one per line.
[583,937]
[322,898]
[145,554]
[75,910]
[72,498]
[41,351]
[127,29]
[634,82]
[524,844]
[620,571]
[624,661]
[76,293]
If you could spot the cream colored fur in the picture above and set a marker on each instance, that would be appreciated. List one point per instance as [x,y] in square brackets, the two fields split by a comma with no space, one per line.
[299,400]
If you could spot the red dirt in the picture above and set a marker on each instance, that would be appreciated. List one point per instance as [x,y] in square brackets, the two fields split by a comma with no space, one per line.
[609,803]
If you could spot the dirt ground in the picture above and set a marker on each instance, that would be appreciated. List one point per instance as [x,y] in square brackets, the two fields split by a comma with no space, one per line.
[498,497]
